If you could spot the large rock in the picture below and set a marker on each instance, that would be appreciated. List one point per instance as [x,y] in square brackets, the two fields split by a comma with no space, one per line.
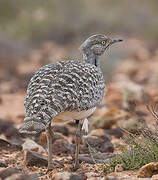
[35,159]
[8,172]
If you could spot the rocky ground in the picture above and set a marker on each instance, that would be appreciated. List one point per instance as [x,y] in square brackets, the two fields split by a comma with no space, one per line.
[133,85]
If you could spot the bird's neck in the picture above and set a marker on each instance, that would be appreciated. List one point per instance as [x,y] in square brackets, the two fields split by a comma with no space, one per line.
[91,58]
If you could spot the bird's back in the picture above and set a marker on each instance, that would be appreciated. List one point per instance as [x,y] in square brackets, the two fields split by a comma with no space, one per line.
[63,86]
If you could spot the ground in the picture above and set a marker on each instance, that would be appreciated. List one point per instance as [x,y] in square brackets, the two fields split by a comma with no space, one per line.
[132,87]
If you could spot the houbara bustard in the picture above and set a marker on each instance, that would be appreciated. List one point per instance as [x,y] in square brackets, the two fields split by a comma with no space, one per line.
[67,90]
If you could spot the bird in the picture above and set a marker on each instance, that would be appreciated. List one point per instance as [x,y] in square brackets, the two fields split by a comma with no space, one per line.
[67,90]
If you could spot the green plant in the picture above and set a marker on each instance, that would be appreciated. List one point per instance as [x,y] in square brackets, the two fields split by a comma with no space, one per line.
[140,150]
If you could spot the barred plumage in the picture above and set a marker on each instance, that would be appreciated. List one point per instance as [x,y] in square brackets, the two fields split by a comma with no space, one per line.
[67,90]
[62,86]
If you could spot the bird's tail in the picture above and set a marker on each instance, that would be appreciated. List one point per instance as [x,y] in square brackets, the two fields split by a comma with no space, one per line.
[32,126]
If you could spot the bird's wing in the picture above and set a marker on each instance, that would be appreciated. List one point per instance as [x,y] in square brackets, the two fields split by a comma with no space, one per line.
[65,85]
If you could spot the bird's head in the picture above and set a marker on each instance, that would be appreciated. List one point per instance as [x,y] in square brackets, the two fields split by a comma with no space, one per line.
[97,44]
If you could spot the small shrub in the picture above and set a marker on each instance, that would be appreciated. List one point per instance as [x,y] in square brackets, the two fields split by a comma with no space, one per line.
[140,150]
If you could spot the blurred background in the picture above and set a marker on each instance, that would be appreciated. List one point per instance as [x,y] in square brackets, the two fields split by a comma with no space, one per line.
[59,27]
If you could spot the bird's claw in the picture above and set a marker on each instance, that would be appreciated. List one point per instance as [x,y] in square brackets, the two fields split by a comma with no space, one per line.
[50,168]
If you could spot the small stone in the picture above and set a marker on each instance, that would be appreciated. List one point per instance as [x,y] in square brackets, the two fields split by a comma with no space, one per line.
[3,163]
[8,172]
[97,132]
[93,158]
[31,145]
[111,178]
[93,176]
[61,176]
[117,132]
[62,146]
[61,129]
[35,159]
[154,177]
[112,132]
[9,146]
[101,143]
[148,170]
[5,124]
[67,176]
[12,133]
[119,168]
[19,176]
[121,176]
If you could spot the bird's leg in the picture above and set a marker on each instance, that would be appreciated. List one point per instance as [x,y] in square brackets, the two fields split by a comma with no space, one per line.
[50,135]
[78,139]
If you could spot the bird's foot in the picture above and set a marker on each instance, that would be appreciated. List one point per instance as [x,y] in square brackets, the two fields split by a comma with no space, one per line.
[76,166]
[50,168]
[54,165]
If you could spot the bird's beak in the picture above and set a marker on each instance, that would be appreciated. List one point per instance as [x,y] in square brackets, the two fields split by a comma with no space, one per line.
[116,40]
[112,41]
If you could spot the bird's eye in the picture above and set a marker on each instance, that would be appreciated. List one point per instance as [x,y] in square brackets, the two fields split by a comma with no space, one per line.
[103,42]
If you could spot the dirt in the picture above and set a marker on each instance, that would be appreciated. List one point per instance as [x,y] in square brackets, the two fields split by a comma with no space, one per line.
[133,85]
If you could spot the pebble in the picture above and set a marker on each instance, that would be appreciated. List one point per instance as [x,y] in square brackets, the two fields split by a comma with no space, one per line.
[119,168]
[31,145]
[97,132]
[12,133]
[116,132]
[62,146]
[148,170]
[3,163]
[99,158]
[154,177]
[93,176]
[100,143]
[33,158]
